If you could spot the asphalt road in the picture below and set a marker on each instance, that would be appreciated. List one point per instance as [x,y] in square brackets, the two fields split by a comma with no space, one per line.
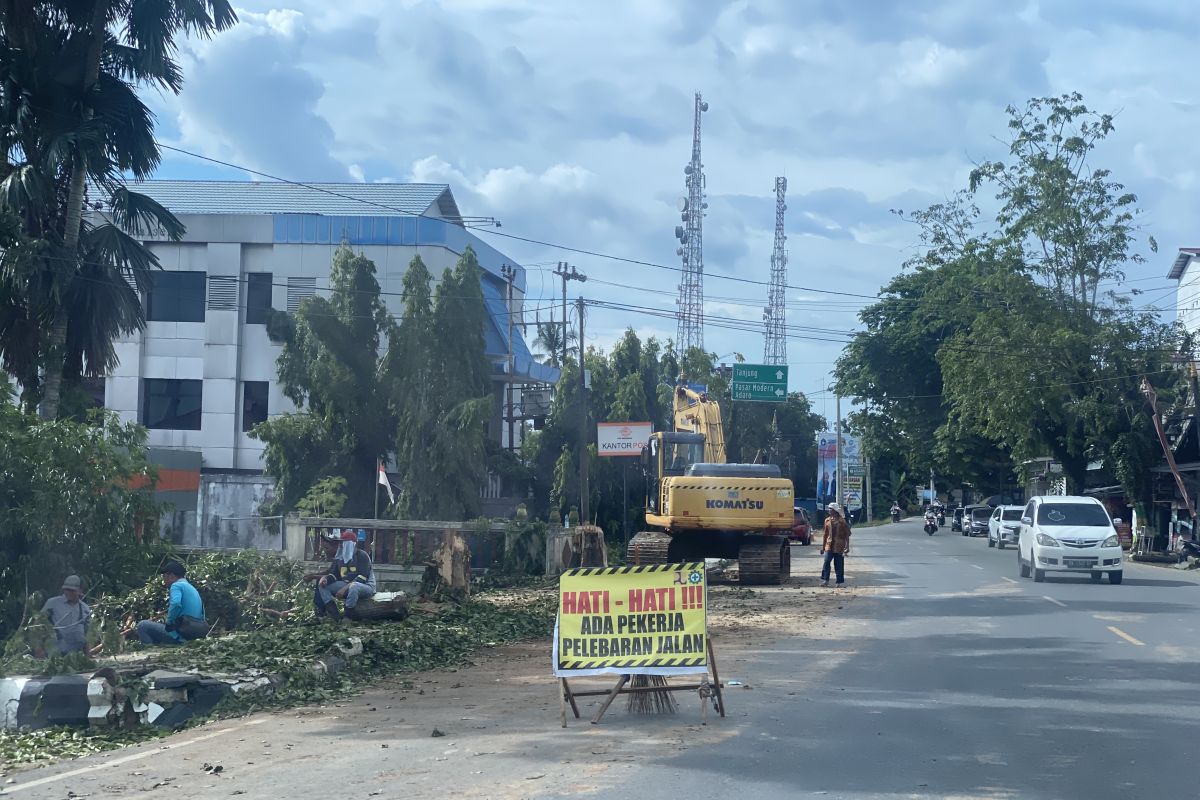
[944,675]
[960,679]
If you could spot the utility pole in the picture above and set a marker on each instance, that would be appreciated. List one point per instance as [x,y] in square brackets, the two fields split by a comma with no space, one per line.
[840,494]
[573,275]
[584,517]
[509,274]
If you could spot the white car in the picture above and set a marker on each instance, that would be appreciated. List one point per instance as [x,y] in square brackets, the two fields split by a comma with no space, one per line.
[1004,526]
[1068,534]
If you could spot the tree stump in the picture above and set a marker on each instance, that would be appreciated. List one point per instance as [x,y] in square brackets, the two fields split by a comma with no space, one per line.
[382,606]
[453,562]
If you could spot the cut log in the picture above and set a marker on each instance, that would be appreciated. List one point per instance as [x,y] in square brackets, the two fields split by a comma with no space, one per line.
[390,606]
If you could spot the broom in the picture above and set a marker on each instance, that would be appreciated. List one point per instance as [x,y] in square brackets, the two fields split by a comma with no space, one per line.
[658,701]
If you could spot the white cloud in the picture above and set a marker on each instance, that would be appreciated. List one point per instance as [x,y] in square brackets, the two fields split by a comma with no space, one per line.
[571,122]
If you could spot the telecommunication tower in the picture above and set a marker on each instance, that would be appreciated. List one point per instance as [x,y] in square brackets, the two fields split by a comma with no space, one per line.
[690,311]
[775,314]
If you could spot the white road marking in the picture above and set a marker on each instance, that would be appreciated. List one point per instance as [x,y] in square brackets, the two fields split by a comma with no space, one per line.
[976,566]
[116,762]
[1126,636]
[1010,580]
[1056,602]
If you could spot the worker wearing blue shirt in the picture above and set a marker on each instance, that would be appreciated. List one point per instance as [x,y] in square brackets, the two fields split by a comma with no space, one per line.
[185,613]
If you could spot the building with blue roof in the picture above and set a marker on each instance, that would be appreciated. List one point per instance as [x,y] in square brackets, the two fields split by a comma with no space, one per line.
[203,372]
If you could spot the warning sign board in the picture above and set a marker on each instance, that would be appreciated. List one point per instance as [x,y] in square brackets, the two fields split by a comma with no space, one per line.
[648,620]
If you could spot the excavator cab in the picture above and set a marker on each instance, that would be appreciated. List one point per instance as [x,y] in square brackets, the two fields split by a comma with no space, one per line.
[668,454]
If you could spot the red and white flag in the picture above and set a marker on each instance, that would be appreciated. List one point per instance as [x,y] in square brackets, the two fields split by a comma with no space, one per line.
[385,483]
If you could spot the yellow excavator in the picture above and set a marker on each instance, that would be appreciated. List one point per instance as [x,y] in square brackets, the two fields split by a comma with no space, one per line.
[702,507]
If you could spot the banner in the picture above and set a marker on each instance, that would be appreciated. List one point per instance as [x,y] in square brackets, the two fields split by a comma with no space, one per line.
[622,438]
[648,620]
[852,460]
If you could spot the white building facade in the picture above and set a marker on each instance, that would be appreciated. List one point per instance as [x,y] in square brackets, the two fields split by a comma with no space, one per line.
[1186,270]
[203,372]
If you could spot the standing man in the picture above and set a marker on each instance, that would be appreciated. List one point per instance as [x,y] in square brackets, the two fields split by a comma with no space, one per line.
[185,613]
[349,577]
[835,545]
[69,617]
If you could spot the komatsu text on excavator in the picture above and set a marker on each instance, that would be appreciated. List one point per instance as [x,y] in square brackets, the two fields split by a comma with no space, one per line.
[703,507]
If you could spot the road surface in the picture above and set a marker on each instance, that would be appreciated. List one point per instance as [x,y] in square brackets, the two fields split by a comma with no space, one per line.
[943,675]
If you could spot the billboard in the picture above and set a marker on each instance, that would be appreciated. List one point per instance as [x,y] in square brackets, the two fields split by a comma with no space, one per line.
[852,456]
[622,438]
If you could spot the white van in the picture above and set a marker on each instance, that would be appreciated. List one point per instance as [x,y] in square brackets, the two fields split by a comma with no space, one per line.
[1068,534]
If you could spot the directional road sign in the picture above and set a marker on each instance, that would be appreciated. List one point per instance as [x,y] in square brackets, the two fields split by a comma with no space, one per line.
[762,382]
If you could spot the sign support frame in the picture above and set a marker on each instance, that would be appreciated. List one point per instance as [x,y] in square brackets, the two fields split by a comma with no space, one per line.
[710,689]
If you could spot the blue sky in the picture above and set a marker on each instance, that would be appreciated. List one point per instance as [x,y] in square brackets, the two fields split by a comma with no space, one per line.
[571,122]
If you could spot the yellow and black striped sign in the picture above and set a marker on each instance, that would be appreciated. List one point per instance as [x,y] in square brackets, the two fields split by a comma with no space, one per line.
[648,619]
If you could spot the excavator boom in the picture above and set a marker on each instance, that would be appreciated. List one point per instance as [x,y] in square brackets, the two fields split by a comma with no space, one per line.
[696,413]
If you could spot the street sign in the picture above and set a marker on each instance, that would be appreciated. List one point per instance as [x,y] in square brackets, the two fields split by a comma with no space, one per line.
[621,438]
[765,383]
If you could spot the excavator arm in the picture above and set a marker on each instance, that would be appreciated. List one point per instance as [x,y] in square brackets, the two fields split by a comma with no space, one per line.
[696,413]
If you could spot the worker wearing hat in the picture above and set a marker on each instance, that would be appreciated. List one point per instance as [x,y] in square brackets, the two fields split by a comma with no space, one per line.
[349,577]
[69,616]
[185,611]
[835,544]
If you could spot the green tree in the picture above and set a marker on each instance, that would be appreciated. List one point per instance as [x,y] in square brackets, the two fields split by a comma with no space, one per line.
[70,117]
[331,368]
[74,498]
[461,380]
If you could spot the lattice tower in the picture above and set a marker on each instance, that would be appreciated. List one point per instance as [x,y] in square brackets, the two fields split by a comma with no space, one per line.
[775,314]
[690,305]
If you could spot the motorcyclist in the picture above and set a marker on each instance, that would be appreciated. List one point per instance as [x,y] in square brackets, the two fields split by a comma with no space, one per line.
[895,512]
[931,523]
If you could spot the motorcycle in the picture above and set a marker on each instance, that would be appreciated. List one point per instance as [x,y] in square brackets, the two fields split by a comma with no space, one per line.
[931,525]
[941,518]
[895,515]
[1188,548]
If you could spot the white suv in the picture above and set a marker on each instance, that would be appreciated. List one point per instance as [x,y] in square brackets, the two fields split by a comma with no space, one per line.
[1068,534]
[1004,525]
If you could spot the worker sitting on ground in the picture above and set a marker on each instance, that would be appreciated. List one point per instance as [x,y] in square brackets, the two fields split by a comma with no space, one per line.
[349,577]
[185,611]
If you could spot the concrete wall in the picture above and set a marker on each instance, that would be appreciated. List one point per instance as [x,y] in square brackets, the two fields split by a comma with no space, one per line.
[227,515]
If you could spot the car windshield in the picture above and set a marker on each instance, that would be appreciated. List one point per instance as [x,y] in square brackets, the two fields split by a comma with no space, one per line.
[1012,514]
[980,514]
[1084,514]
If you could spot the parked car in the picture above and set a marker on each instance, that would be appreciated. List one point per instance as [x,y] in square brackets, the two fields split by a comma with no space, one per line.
[956,523]
[975,520]
[801,527]
[1004,526]
[1068,534]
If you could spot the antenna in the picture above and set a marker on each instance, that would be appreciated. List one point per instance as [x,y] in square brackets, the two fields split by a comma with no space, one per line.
[690,305]
[775,314]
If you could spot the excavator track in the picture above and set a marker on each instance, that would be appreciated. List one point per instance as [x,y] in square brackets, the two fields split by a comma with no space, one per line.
[647,547]
[764,560]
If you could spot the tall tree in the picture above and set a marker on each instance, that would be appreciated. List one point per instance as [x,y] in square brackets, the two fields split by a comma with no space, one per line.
[332,369]
[70,117]
[463,398]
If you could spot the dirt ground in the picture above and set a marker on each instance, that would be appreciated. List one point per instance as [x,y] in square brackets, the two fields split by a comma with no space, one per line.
[489,730]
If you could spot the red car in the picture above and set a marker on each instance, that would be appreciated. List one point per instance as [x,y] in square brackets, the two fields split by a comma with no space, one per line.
[801,529]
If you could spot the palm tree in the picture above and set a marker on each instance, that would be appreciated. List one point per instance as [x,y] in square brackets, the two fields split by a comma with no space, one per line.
[71,124]
[550,340]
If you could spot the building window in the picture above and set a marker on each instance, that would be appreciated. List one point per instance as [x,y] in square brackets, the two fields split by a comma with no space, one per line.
[176,297]
[171,404]
[254,403]
[258,297]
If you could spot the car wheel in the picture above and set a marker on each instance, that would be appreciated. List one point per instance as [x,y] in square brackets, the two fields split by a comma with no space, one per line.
[1116,577]
[1096,576]
[1000,543]
[1039,575]
[991,542]
[1022,567]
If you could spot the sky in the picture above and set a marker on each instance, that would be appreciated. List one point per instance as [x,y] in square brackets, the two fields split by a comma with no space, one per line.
[570,122]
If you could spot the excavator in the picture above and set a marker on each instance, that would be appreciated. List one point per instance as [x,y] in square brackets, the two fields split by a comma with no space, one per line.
[702,507]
